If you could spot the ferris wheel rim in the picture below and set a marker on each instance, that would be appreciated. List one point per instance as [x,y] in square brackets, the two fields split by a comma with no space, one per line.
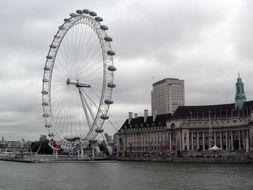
[108,67]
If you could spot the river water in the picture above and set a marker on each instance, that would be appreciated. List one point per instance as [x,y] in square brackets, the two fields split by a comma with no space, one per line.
[124,176]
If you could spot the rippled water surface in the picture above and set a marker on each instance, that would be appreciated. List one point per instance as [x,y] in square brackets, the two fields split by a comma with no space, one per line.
[124,176]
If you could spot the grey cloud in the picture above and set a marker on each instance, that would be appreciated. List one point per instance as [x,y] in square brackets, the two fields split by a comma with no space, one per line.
[206,43]
[155,27]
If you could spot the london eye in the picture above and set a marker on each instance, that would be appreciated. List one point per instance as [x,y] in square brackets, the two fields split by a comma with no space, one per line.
[78,81]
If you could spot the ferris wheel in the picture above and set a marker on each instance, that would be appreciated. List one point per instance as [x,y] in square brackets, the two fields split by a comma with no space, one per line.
[78,81]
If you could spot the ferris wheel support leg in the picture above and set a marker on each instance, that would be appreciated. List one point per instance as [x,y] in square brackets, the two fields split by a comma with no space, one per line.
[93,154]
[89,109]
[81,149]
[84,108]
[78,154]
[55,154]
[109,148]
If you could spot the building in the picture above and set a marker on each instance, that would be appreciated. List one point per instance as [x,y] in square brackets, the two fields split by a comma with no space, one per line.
[240,97]
[43,138]
[190,130]
[167,95]
[143,135]
[14,146]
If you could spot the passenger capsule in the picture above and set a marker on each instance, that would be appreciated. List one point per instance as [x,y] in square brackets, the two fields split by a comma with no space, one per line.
[99,19]
[72,14]
[45,115]
[86,11]
[49,57]
[112,68]
[110,52]
[104,27]
[99,130]
[108,39]
[103,116]
[93,141]
[52,46]
[48,125]
[107,101]
[92,13]
[47,68]
[66,20]
[44,104]
[57,37]
[44,92]
[111,85]
[45,80]
[79,12]
[62,27]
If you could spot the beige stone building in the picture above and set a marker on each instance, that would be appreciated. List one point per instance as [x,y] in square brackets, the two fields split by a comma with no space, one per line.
[190,129]
[167,95]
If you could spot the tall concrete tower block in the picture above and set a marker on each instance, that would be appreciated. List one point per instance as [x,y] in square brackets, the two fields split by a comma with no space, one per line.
[167,95]
[240,97]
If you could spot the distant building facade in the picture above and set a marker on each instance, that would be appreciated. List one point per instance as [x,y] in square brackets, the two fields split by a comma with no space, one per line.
[167,95]
[190,129]
[14,146]
[43,138]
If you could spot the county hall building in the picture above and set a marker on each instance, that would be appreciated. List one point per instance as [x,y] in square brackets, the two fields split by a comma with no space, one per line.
[175,128]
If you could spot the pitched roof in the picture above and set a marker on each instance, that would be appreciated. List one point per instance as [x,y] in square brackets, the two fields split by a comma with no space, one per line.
[183,112]
[221,109]
[136,122]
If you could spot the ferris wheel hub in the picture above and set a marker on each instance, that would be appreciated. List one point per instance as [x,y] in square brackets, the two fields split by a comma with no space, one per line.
[77,83]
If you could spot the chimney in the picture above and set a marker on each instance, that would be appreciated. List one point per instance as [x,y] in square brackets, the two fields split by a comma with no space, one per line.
[154,115]
[145,115]
[135,115]
[130,116]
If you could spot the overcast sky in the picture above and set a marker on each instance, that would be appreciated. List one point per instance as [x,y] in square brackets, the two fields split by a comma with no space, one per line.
[204,42]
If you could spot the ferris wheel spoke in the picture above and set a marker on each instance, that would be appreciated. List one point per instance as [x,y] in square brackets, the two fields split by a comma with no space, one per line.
[94,52]
[59,75]
[89,109]
[71,49]
[82,52]
[91,100]
[92,63]
[87,42]
[59,118]
[95,77]
[60,106]
[81,129]
[96,93]
[66,51]
[92,70]
[84,104]
[77,44]
[63,59]
[81,43]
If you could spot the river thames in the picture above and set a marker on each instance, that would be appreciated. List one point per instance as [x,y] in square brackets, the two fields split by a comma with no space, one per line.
[124,176]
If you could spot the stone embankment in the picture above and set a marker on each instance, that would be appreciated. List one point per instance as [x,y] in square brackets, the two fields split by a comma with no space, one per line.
[231,158]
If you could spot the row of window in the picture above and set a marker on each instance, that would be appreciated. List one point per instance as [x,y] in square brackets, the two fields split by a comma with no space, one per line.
[146,148]
[146,139]
[143,129]
[220,121]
